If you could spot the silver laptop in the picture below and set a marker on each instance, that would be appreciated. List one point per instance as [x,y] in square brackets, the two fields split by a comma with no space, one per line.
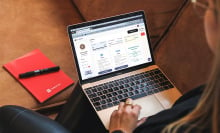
[114,60]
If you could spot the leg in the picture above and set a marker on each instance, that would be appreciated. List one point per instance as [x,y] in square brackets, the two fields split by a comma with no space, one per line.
[15,119]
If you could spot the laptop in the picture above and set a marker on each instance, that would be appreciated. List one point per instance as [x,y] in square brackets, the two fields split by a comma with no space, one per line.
[114,61]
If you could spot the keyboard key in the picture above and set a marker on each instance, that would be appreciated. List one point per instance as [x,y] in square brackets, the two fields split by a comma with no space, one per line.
[94,90]
[138,96]
[126,80]
[114,98]
[104,106]
[125,95]
[121,82]
[109,100]
[104,91]
[136,92]
[111,85]
[96,99]
[98,108]
[110,105]
[121,87]
[130,93]
[150,87]
[103,101]
[125,90]
[146,88]
[150,92]
[105,86]
[88,91]
[155,90]
[114,93]
[116,88]
[103,97]
[120,92]
[120,97]
[99,93]
[116,102]
[151,82]
[109,95]
[127,85]
[157,71]
[130,89]
[131,83]
[116,83]
[156,86]
[110,90]
[97,103]
[92,95]
[99,88]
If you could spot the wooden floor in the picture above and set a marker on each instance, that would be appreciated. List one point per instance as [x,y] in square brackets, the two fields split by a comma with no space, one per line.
[26,25]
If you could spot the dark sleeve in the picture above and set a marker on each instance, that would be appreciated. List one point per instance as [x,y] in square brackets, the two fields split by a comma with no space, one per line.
[15,119]
[182,107]
[190,94]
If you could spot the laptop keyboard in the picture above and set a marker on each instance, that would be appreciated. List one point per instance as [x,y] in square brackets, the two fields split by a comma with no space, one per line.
[136,86]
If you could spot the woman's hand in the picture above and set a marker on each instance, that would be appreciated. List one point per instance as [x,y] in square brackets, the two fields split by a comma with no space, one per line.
[125,118]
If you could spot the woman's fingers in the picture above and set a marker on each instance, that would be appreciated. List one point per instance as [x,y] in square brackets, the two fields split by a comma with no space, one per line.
[121,105]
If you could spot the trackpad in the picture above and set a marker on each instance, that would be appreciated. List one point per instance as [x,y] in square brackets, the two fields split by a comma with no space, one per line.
[149,106]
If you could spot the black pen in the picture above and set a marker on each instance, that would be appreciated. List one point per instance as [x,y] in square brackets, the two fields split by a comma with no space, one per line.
[39,72]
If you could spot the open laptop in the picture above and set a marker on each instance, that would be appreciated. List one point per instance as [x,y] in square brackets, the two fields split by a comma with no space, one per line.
[114,60]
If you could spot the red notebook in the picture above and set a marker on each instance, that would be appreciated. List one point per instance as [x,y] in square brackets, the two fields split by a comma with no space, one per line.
[44,86]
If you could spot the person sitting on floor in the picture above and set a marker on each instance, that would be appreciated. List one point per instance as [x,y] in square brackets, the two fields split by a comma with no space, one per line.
[197,110]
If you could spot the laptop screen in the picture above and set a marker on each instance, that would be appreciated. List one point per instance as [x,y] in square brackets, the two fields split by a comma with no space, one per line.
[110,45]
